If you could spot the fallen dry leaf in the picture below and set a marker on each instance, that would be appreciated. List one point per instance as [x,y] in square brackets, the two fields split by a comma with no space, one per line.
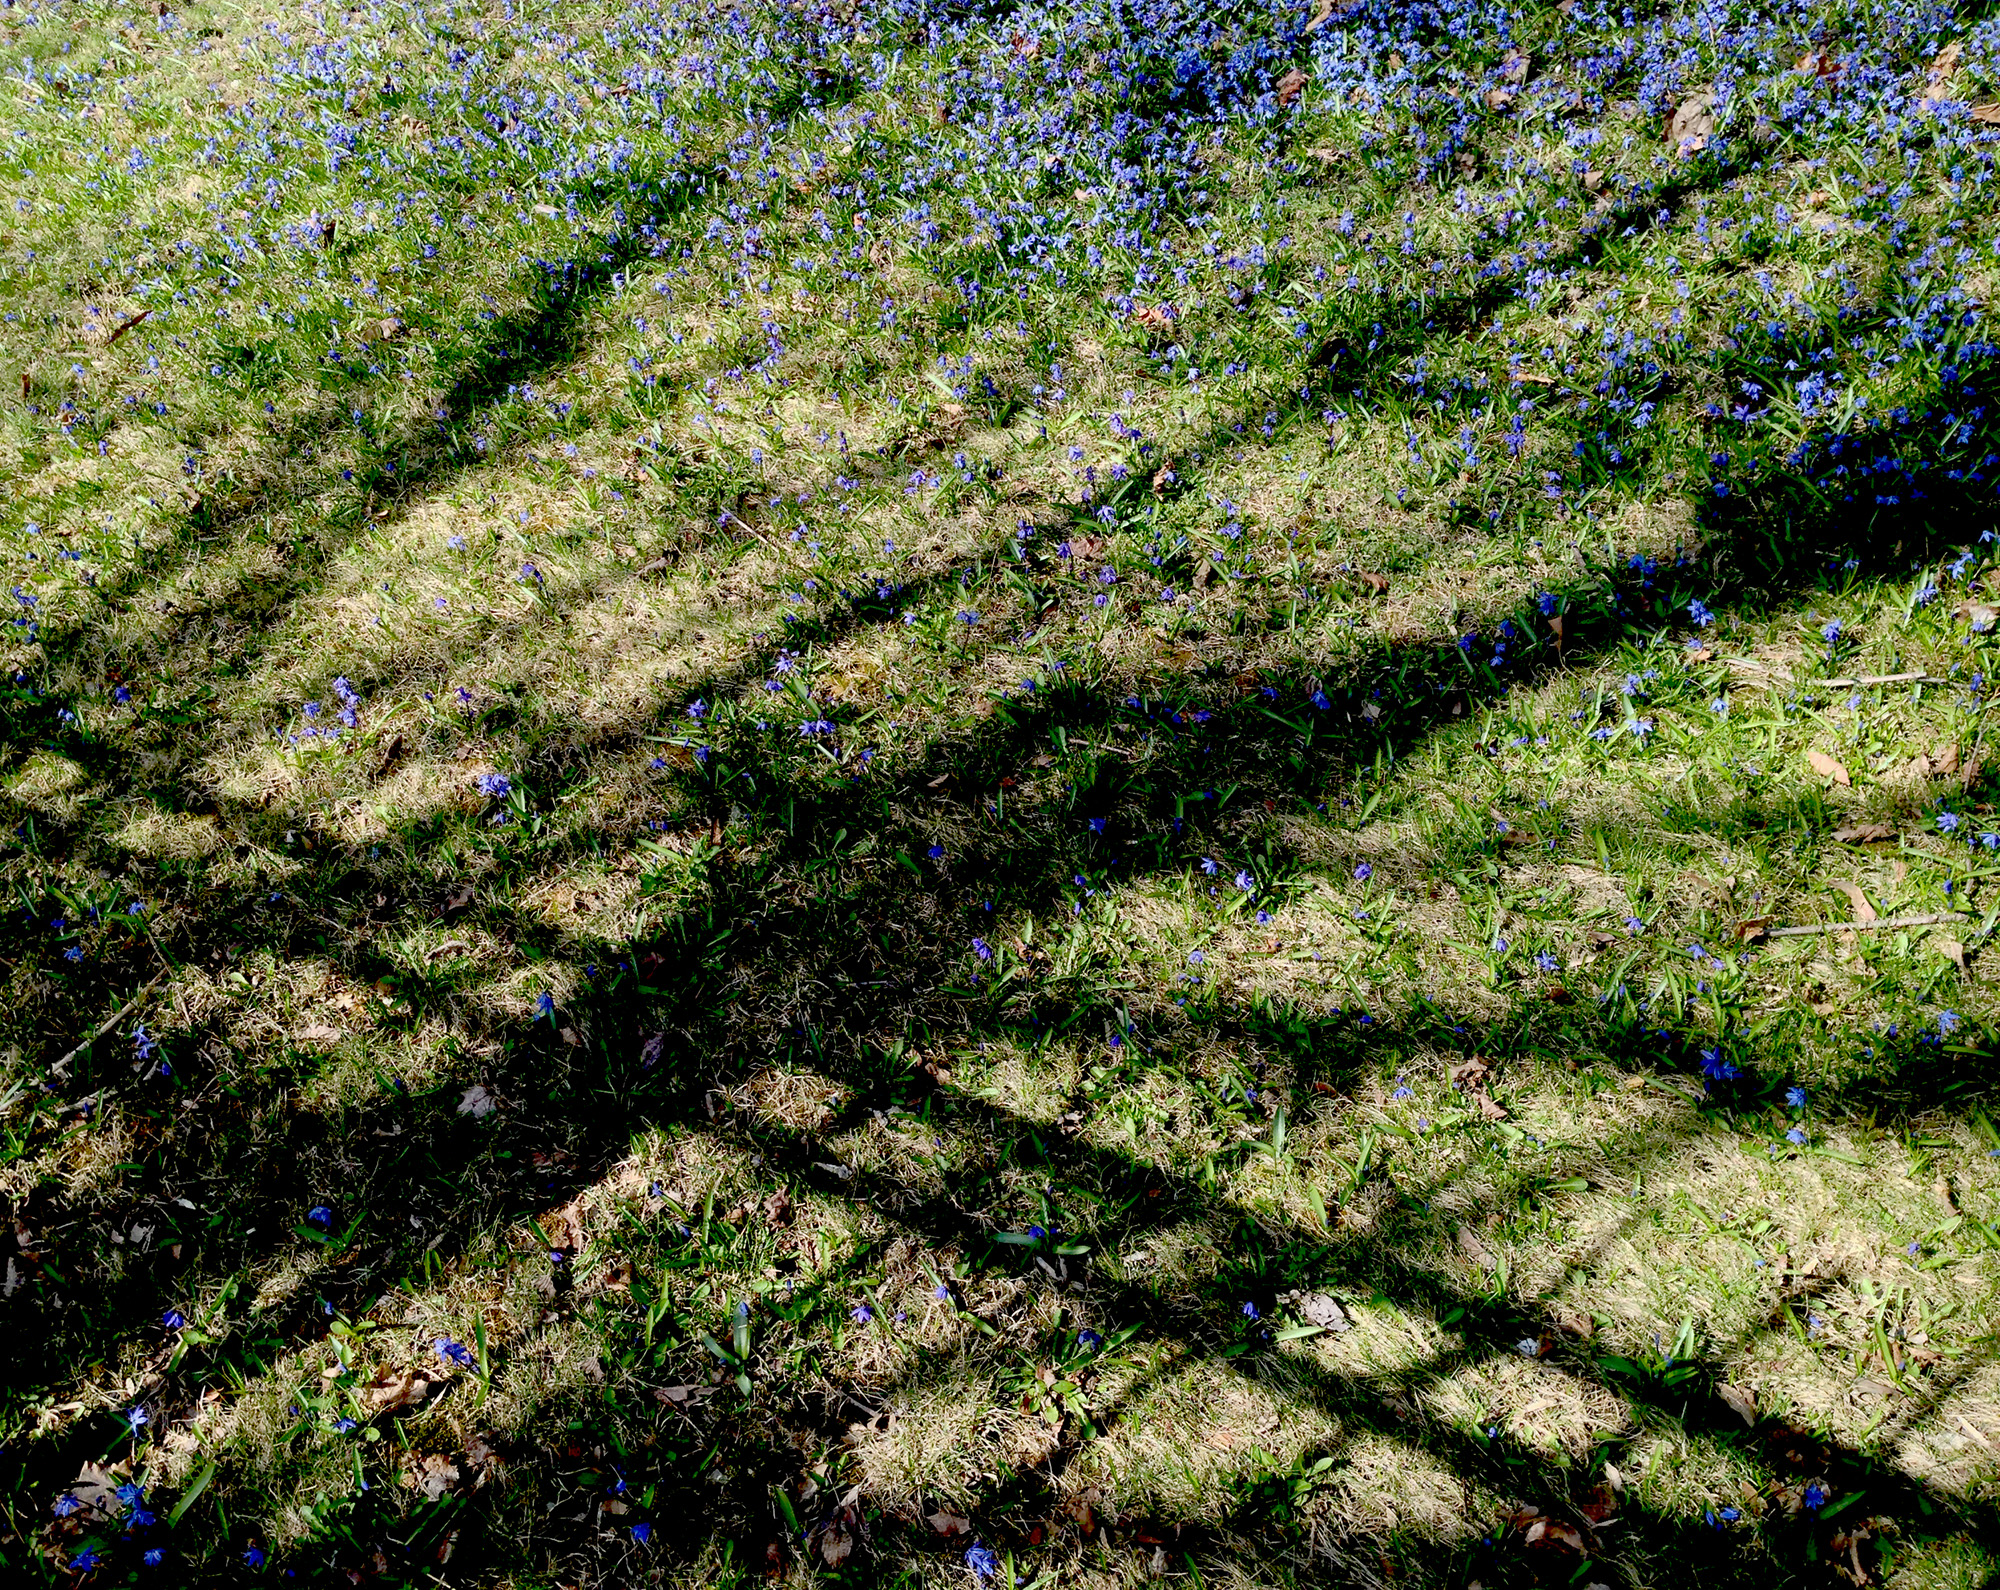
[1290,86]
[1863,912]
[949,1524]
[1378,583]
[1692,123]
[1552,1533]
[1863,834]
[97,1488]
[321,1034]
[1514,69]
[1938,76]
[432,1474]
[1952,951]
[126,325]
[477,1103]
[1155,317]
[1827,767]
[1316,1308]
[1742,1401]
[1989,114]
[1475,1251]
[1753,930]
[836,1546]
[1819,63]
[396,1388]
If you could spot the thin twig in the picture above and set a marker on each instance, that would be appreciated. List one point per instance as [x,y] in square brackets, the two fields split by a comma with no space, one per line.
[123,1011]
[1925,920]
[1917,678]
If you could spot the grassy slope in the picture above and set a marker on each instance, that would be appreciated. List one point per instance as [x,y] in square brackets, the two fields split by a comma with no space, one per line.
[787,760]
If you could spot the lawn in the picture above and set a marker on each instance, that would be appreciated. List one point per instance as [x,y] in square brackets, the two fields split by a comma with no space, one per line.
[952,794]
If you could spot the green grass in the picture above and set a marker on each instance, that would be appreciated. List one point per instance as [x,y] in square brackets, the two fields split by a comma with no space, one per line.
[794,1029]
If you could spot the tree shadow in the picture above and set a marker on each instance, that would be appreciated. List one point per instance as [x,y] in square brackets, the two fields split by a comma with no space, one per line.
[418,1162]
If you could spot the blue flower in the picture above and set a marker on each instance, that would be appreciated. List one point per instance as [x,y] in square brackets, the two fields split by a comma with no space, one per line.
[153,1557]
[319,1215]
[861,1314]
[642,1533]
[495,786]
[982,1561]
[254,1557]
[1250,1311]
[1814,1497]
[1795,1096]
[66,1504]
[137,1418]
[1796,1136]
[452,1352]
[1698,615]
[1947,822]
[982,949]
[1363,873]
[85,1561]
[1090,1341]
[545,1003]
[1717,1069]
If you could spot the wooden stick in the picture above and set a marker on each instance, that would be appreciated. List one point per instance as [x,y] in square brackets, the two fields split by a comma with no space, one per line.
[1917,678]
[1925,920]
[123,1011]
